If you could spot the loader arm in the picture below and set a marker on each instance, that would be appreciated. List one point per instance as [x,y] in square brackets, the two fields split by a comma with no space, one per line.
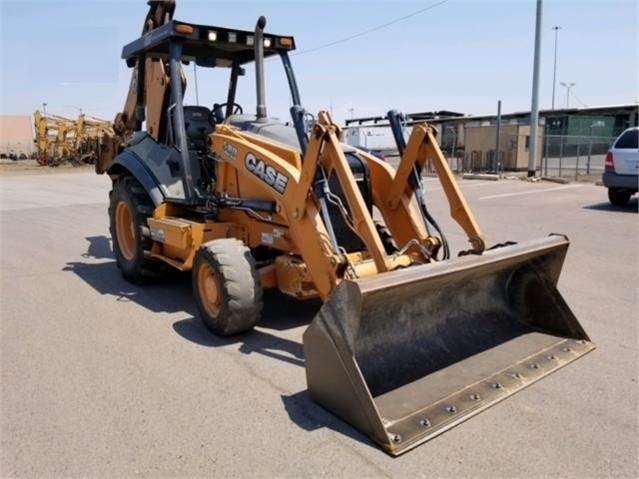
[421,148]
[324,149]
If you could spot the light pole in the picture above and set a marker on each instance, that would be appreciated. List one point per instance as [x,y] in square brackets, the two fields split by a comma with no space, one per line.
[534,108]
[44,108]
[454,152]
[351,110]
[568,87]
[554,71]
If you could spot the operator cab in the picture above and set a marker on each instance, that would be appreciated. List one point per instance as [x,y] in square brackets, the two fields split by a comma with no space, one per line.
[185,128]
[197,127]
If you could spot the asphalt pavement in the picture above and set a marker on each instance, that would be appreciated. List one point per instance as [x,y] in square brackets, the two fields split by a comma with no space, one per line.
[102,378]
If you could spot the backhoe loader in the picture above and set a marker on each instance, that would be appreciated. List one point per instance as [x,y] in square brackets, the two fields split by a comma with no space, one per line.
[88,132]
[60,140]
[52,138]
[410,340]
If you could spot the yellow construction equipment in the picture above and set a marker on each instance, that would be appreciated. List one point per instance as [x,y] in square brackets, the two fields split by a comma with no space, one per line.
[89,132]
[62,140]
[53,138]
[410,340]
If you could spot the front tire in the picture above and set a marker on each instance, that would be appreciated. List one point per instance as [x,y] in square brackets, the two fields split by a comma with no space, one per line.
[129,208]
[619,197]
[226,285]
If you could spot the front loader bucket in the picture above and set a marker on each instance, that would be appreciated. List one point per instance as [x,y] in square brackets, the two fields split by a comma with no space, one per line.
[406,355]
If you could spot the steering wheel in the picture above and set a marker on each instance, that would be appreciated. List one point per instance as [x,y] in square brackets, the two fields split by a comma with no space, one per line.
[218,112]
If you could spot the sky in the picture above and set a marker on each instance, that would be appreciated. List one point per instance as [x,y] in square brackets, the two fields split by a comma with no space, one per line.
[459,55]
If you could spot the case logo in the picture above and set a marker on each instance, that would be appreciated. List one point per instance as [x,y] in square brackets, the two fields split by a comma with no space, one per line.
[267,174]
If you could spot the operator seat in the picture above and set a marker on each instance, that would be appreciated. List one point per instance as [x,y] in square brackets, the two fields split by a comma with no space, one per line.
[198,128]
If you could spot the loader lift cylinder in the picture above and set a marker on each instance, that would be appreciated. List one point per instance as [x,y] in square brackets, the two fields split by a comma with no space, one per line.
[394,118]
[298,113]
[290,76]
[320,182]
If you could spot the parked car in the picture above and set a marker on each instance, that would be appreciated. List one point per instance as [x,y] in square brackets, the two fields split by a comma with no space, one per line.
[372,151]
[621,170]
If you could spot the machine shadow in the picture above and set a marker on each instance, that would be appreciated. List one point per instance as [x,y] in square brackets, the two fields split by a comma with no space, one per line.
[173,294]
[280,313]
[310,416]
[631,207]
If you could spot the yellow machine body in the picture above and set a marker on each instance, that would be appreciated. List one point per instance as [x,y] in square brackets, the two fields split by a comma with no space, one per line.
[409,341]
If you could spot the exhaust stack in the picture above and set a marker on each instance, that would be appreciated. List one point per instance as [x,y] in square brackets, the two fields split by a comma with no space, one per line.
[259,68]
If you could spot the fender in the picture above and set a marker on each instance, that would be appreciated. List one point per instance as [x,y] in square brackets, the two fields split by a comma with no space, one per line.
[129,162]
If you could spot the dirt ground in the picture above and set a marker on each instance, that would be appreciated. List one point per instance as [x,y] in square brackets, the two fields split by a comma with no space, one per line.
[31,167]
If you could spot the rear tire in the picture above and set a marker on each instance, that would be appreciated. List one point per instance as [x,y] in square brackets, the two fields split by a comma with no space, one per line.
[618,197]
[226,285]
[129,208]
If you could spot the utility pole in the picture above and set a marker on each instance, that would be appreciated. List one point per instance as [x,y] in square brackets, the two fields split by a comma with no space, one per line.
[534,110]
[554,71]
[496,160]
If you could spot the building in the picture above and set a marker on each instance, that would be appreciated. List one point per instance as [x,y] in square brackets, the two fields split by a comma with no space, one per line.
[16,135]
[473,139]
[514,148]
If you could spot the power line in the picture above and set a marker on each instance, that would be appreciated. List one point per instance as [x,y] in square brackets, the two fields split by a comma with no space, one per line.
[577,98]
[370,30]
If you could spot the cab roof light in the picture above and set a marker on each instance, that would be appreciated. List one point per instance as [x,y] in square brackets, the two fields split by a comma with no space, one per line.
[286,42]
[185,29]
[232,37]
[212,35]
[267,43]
[249,40]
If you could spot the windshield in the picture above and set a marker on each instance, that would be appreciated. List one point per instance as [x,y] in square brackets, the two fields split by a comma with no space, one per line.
[212,87]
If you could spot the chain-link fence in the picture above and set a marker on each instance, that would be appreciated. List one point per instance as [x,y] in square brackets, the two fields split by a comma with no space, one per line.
[481,154]
[574,157]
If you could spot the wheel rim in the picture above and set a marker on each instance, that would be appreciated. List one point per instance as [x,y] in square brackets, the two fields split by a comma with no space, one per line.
[209,290]
[125,230]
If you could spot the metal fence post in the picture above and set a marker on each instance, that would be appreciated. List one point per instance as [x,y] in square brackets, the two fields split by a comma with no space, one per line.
[577,161]
[546,140]
[495,165]
[589,151]
[561,153]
